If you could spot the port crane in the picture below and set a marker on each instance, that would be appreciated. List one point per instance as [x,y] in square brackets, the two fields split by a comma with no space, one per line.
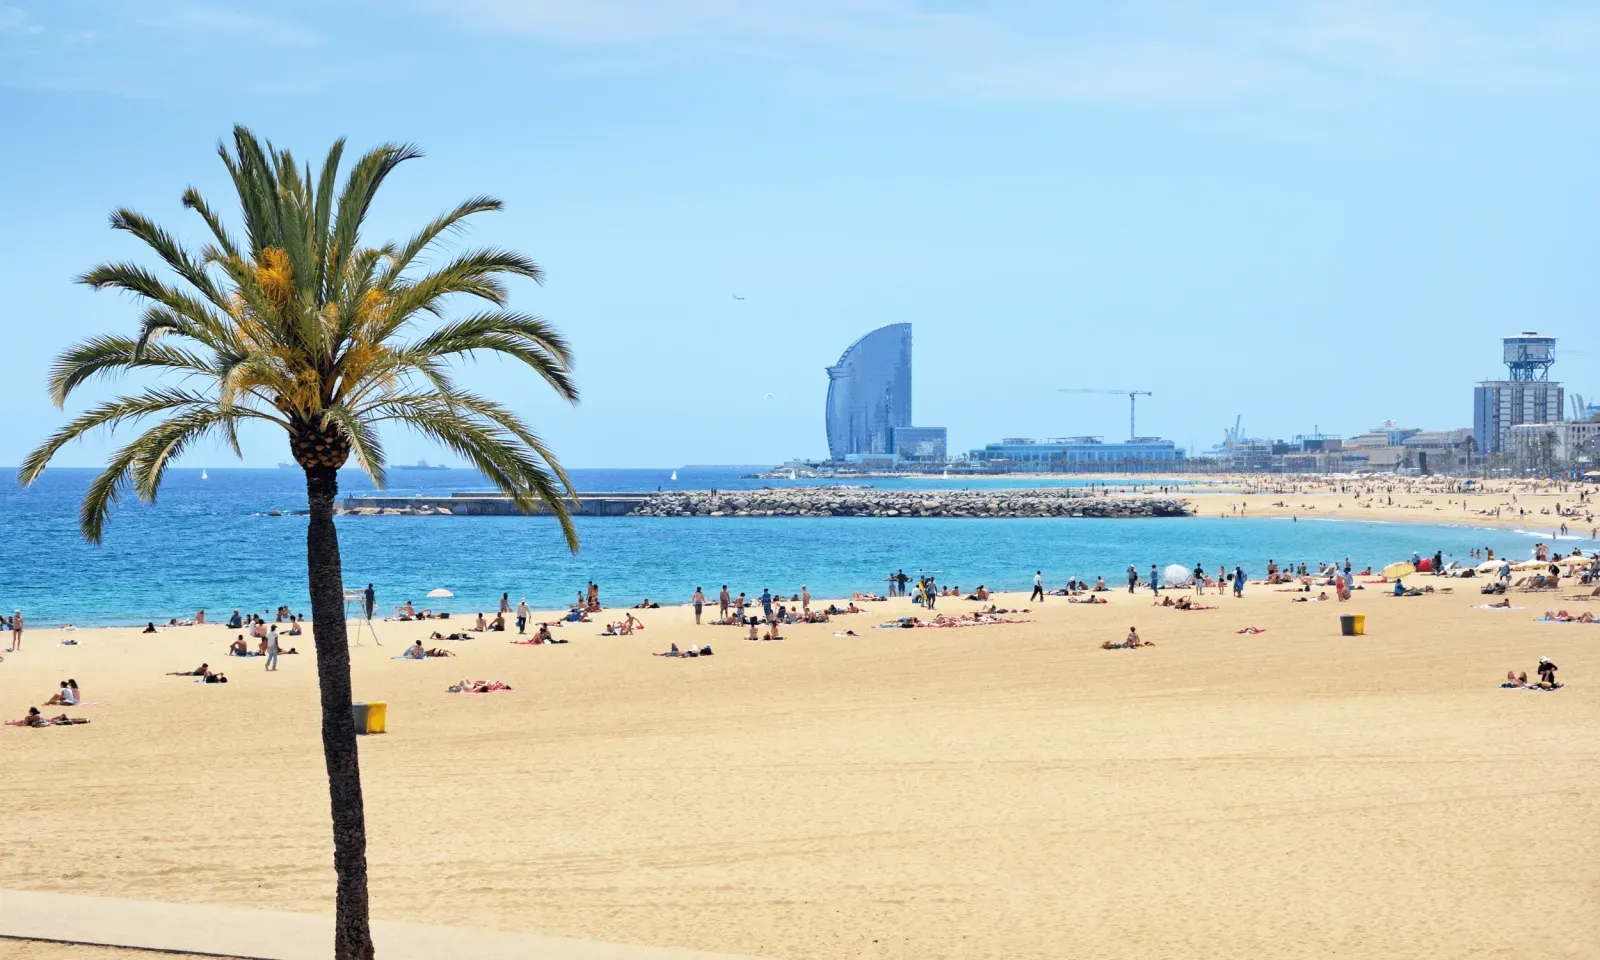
[1133,401]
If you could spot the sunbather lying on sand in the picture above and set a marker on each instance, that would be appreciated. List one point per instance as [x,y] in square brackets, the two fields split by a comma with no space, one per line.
[34,718]
[204,670]
[1087,600]
[1252,630]
[436,635]
[479,686]
[1513,681]
[439,652]
[1562,616]
[847,633]
[703,651]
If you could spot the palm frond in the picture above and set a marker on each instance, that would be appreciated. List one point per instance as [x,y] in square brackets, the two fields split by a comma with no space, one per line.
[519,335]
[100,356]
[428,235]
[107,415]
[516,470]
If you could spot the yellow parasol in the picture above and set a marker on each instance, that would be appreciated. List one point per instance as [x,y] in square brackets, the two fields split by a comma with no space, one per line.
[1395,571]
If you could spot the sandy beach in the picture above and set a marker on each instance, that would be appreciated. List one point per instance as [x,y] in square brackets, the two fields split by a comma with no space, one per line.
[1538,506]
[997,791]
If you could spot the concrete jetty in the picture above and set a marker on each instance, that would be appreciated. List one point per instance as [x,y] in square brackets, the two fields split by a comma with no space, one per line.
[796,502]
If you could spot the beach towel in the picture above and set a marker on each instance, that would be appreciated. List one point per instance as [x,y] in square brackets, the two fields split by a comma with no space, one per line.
[1490,606]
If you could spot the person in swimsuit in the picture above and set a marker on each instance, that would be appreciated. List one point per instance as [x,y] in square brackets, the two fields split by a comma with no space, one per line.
[699,600]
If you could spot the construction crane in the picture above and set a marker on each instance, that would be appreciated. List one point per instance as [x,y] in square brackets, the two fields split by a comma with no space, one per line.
[1133,400]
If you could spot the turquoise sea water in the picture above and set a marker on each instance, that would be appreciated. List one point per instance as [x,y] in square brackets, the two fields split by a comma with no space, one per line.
[208,544]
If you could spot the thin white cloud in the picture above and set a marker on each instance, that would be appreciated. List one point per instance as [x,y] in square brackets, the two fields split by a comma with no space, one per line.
[208,20]
[15,20]
[1159,50]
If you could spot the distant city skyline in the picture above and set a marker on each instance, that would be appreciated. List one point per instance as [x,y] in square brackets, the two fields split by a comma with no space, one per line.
[1313,214]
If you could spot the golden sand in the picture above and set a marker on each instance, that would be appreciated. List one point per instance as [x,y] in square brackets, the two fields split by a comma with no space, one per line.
[1005,791]
[1534,505]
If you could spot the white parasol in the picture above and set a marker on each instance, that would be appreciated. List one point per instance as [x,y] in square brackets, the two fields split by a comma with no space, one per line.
[439,593]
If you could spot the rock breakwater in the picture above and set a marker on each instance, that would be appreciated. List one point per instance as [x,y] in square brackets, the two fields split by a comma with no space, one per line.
[866,502]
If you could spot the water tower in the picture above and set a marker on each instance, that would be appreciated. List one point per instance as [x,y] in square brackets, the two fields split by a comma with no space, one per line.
[1529,356]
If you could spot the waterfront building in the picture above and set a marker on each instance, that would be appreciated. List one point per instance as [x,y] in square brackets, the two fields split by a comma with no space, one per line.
[920,444]
[869,393]
[1067,453]
[1549,446]
[1527,396]
[868,416]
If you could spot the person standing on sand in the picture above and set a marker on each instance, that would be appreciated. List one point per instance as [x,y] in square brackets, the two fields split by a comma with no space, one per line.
[272,649]
[16,630]
[699,600]
[505,603]
[902,580]
[369,599]
[766,604]
[805,600]
[1133,578]
[1155,581]
[1238,583]
[723,600]
[524,614]
[1038,587]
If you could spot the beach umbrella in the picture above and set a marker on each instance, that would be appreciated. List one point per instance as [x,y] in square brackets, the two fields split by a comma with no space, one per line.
[1489,566]
[440,593]
[1395,571]
[1176,574]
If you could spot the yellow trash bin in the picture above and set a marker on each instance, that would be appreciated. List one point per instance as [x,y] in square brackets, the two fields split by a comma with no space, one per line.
[1361,631]
[378,715]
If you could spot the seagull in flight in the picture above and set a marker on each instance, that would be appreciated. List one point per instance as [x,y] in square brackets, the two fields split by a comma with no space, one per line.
[737,297]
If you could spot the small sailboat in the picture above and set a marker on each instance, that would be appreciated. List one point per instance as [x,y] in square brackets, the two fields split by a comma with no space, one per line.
[947,473]
[791,474]
[203,475]
[674,474]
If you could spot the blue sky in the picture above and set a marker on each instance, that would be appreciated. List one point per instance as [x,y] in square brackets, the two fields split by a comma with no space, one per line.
[1311,213]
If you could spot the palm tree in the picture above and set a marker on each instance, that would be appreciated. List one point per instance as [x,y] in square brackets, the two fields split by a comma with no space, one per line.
[303,327]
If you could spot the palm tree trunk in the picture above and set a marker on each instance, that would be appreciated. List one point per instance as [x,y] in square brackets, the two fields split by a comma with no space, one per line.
[352,931]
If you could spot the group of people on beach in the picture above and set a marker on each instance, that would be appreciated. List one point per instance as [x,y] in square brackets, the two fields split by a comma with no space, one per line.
[1547,678]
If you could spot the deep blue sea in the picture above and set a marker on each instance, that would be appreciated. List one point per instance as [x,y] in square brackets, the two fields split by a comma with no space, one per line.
[209,544]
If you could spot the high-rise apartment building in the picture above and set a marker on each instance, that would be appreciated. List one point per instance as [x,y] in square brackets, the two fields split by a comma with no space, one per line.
[1527,396]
